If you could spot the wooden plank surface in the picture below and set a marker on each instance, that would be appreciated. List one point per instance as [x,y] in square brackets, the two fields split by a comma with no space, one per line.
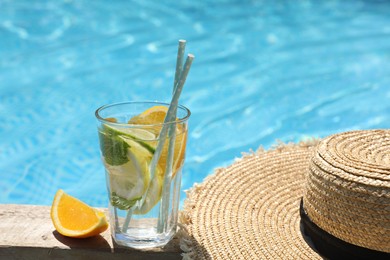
[26,232]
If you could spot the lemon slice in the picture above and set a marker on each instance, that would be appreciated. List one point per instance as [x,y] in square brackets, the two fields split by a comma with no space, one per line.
[153,195]
[142,157]
[129,181]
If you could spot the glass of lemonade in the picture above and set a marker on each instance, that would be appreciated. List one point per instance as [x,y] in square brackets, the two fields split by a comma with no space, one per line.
[143,187]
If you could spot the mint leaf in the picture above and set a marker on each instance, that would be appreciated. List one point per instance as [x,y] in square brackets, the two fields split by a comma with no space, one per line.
[113,148]
[122,203]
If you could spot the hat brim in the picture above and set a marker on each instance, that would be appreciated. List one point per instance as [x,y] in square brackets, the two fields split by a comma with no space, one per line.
[250,210]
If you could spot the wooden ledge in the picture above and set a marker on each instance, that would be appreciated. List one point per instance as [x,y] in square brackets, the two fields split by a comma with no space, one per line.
[28,233]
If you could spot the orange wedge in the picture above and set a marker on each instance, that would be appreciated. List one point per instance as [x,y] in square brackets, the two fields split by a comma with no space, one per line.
[179,153]
[73,218]
[153,115]
[156,115]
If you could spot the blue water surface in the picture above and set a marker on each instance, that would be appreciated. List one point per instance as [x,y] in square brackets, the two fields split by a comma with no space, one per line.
[263,70]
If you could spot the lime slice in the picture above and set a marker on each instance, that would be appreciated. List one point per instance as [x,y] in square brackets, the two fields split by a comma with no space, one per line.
[144,137]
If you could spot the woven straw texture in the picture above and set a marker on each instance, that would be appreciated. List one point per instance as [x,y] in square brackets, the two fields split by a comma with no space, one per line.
[348,188]
[250,210]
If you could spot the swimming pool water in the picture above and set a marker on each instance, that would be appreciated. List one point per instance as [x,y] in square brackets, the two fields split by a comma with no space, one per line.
[264,70]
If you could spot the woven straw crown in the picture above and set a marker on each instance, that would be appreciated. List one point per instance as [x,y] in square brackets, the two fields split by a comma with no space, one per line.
[348,188]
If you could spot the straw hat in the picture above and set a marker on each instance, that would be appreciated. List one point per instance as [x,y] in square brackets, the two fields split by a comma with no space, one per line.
[254,209]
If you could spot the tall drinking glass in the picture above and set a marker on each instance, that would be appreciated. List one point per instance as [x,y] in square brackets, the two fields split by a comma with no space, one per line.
[143,188]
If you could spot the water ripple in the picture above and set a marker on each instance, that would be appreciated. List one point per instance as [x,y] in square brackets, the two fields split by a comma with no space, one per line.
[263,71]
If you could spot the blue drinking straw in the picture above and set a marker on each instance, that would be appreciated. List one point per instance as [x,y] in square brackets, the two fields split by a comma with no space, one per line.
[171,114]
[172,136]
[179,62]
[180,78]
